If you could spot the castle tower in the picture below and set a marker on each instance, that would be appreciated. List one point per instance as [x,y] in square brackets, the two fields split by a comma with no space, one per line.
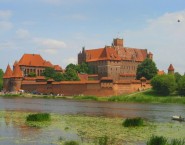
[118,42]
[7,79]
[171,69]
[150,55]
[16,78]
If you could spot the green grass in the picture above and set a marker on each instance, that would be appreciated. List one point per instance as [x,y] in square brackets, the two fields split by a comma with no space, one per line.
[39,117]
[161,140]
[157,140]
[71,143]
[86,98]
[133,122]
[147,97]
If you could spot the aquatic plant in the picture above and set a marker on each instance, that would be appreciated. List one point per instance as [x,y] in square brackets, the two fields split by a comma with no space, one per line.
[38,117]
[71,143]
[132,122]
[177,142]
[103,140]
[157,140]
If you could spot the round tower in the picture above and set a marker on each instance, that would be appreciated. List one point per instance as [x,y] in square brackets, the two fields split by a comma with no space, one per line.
[7,79]
[171,69]
[16,79]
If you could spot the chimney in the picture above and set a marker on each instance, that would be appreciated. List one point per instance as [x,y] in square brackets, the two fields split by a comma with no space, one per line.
[118,42]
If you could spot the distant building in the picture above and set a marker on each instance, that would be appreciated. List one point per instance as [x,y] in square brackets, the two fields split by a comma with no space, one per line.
[115,62]
[171,69]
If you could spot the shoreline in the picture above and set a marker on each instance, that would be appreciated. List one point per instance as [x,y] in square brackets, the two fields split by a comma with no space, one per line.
[139,97]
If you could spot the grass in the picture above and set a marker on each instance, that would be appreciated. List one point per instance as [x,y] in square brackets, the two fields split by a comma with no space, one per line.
[133,122]
[71,143]
[161,140]
[39,117]
[157,140]
[94,98]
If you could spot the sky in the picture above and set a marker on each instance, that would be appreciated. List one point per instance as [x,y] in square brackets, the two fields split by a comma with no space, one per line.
[58,29]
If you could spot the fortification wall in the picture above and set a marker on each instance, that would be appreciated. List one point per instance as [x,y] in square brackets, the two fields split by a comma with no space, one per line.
[84,88]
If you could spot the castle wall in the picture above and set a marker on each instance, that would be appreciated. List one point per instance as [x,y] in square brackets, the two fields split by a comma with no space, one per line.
[95,88]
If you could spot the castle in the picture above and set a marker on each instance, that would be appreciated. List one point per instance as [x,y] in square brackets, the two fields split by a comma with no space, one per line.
[114,72]
[116,62]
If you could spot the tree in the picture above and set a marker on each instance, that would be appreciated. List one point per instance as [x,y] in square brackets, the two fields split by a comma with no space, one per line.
[72,66]
[146,69]
[181,86]
[58,77]
[1,79]
[32,74]
[177,76]
[49,72]
[83,68]
[164,84]
[71,75]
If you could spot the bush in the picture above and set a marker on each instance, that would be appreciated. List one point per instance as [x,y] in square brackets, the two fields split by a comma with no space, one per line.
[71,143]
[164,84]
[133,122]
[32,74]
[157,140]
[181,86]
[39,117]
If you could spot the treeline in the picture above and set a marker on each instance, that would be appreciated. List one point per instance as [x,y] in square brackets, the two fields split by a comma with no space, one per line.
[169,84]
[70,74]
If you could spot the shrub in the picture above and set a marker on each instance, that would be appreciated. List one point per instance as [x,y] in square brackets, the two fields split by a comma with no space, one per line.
[39,117]
[164,84]
[71,143]
[157,140]
[133,122]
[32,74]
[181,86]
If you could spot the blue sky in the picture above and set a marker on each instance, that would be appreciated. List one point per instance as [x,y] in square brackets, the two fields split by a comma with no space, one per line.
[58,29]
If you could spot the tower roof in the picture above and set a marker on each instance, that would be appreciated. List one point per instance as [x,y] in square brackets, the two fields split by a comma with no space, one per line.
[17,73]
[171,68]
[8,72]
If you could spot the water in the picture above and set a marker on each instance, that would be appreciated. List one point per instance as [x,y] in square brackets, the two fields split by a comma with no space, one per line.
[11,133]
[152,112]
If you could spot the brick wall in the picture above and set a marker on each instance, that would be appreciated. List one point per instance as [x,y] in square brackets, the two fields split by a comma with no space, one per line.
[85,88]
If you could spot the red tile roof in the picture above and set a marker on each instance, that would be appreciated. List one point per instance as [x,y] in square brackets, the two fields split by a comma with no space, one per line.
[116,53]
[8,72]
[83,77]
[34,60]
[160,72]
[57,68]
[171,68]
[17,73]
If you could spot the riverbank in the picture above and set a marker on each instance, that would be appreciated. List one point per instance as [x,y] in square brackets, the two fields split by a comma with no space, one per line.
[148,96]
[84,129]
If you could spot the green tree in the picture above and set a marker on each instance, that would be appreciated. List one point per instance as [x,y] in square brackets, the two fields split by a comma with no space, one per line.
[83,68]
[49,72]
[58,77]
[72,66]
[146,69]
[181,86]
[31,74]
[1,79]
[71,75]
[164,84]
[177,76]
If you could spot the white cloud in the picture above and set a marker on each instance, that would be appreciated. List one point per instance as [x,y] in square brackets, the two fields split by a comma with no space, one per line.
[23,33]
[5,25]
[164,36]
[70,60]
[5,14]
[50,46]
